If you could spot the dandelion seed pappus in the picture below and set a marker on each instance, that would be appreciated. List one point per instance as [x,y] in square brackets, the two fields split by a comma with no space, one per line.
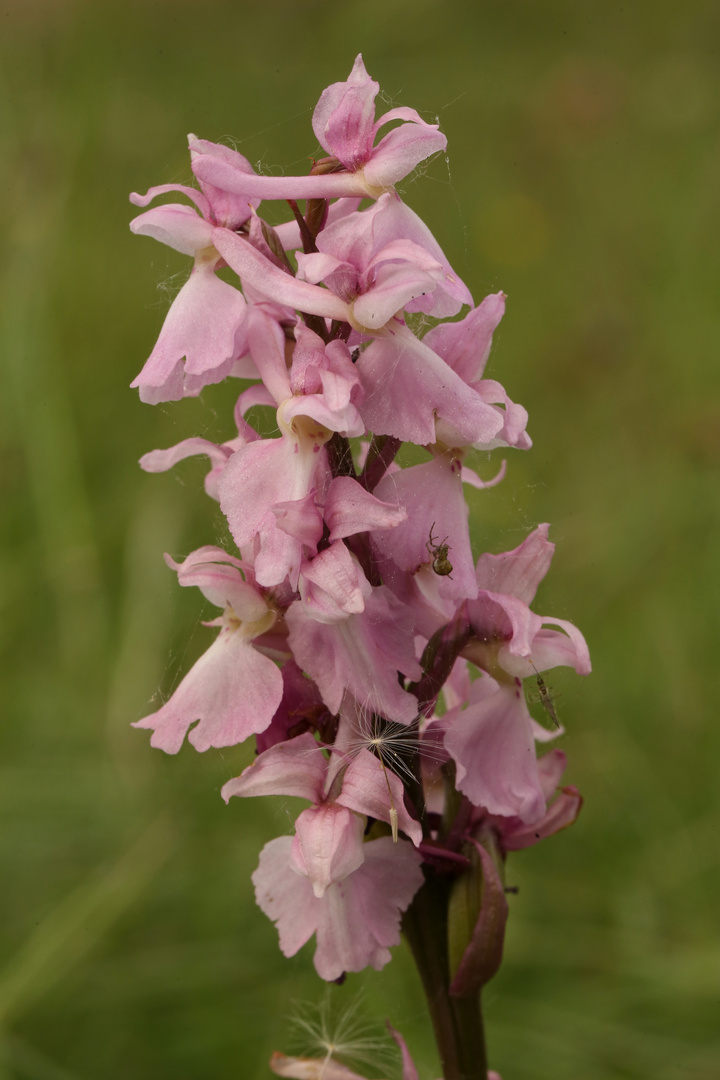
[439,555]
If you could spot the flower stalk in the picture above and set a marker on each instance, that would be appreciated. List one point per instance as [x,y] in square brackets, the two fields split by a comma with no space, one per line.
[457,1021]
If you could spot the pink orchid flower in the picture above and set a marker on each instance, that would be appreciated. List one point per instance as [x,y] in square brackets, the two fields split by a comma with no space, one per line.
[354,782]
[515,834]
[359,653]
[201,336]
[357,918]
[233,690]
[382,260]
[269,490]
[345,126]
[325,880]
[492,740]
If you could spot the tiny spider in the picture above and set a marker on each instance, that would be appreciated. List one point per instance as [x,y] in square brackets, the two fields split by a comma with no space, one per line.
[439,554]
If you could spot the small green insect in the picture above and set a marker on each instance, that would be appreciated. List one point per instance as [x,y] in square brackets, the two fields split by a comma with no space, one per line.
[439,554]
[546,699]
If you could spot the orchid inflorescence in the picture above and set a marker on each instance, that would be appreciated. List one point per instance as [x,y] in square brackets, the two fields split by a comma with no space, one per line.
[378,665]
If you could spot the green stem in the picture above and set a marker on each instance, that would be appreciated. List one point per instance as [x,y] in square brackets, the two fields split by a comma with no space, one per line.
[457,1021]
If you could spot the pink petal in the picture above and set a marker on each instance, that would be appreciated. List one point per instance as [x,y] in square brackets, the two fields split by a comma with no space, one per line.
[356,920]
[286,897]
[409,1070]
[408,386]
[394,286]
[332,585]
[351,509]
[223,175]
[301,703]
[328,845]
[200,327]
[344,116]
[258,271]
[561,813]
[492,745]
[361,917]
[176,225]
[469,476]
[258,477]
[228,210]
[433,493]
[233,691]
[519,571]
[267,344]
[398,152]
[515,416]
[365,790]
[502,618]
[218,575]
[157,461]
[296,768]
[465,344]
[361,655]
[570,649]
[301,519]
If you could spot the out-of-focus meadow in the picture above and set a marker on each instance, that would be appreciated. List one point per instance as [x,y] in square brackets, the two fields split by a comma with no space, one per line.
[582,178]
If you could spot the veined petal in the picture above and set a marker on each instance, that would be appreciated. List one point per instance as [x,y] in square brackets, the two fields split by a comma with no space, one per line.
[175,225]
[398,152]
[343,120]
[492,744]
[350,509]
[367,789]
[332,585]
[328,845]
[232,690]
[296,767]
[250,265]
[360,655]
[197,340]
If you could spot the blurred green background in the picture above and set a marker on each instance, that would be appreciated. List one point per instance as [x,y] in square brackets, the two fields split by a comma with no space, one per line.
[582,178]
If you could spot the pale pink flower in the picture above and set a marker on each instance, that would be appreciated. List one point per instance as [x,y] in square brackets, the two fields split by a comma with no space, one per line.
[201,338]
[383,260]
[357,918]
[345,126]
[232,690]
[412,394]
[272,491]
[360,654]
[353,782]
[325,880]
[492,741]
